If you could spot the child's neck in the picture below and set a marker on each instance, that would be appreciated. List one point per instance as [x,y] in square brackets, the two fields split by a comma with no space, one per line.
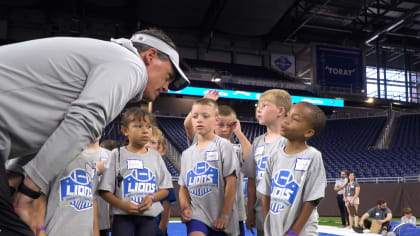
[204,140]
[135,148]
[295,147]
[93,147]
[273,132]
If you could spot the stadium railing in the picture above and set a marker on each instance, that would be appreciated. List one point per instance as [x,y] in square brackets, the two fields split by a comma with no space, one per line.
[377,180]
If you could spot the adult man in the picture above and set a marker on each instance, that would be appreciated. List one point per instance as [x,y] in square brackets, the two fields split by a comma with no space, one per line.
[381,213]
[339,187]
[57,95]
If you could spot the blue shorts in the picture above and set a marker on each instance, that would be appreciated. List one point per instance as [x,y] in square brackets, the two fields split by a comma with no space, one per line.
[196,225]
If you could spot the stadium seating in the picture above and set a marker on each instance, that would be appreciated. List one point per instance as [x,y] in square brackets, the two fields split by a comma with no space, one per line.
[407,132]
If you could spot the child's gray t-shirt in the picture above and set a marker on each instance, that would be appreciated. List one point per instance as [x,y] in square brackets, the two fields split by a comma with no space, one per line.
[254,167]
[103,206]
[143,174]
[291,180]
[70,200]
[240,198]
[202,173]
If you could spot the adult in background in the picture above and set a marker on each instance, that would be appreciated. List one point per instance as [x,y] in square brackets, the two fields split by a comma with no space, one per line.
[381,213]
[57,95]
[351,197]
[339,186]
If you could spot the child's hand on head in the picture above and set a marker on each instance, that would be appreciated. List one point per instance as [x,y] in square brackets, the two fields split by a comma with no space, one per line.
[130,208]
[212,94]
[236,127]
[186,214]
[146,203]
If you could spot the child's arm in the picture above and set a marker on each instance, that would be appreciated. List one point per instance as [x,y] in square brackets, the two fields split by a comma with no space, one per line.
[303,217]
[147,201]
[184,201]
[189,129]
[245,144]
[252,198]
[40,209]
[128,207]
[265,204]
[166,214]
[95,218]
[230,192]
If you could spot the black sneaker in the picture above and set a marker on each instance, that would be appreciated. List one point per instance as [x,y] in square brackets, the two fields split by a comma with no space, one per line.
[357,229]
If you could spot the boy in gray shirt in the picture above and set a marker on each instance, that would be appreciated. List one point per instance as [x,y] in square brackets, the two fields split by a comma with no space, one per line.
[209,171]
[271,110]
[294,180]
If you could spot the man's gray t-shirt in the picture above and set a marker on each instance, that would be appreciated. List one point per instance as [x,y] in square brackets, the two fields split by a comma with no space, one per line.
[377,213]
[202,173]
[143,174]
[254,167]
[63,91]
[70,201]
[291,180]
[339,182]
[351,189]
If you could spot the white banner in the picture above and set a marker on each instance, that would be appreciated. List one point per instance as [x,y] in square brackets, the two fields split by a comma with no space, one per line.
[283,63]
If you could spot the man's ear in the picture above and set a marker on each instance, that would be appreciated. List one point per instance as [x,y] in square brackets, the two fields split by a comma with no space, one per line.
[309,133]
[149,55]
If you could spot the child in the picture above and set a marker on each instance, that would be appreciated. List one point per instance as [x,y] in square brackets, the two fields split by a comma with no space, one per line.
[71,208]
[227,125]
[294,181]
[408,217]
[208,176]
[158,143]
[136,179]
[273,106]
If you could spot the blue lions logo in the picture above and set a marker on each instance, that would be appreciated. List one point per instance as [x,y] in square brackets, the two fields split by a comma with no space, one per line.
[284,190]
[261,165]
[76,190]
[137,185]
[202,179]
[283,63]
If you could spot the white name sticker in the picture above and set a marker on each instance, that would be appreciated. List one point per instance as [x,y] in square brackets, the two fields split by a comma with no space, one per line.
[302,164]
[134,164]
[212,156]
[259,150]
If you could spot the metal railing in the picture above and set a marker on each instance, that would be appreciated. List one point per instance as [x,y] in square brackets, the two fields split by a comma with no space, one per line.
[378,180]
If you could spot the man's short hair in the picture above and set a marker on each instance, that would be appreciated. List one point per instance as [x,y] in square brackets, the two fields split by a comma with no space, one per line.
[157,33]
[225,110]
[317,117]
[208,102]
[380,202]
[280,97]
[345,171]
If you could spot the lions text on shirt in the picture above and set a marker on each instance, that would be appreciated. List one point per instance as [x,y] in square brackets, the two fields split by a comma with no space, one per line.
[70,200]
[143,174]
[291,180]
[202,173]
[254,167]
